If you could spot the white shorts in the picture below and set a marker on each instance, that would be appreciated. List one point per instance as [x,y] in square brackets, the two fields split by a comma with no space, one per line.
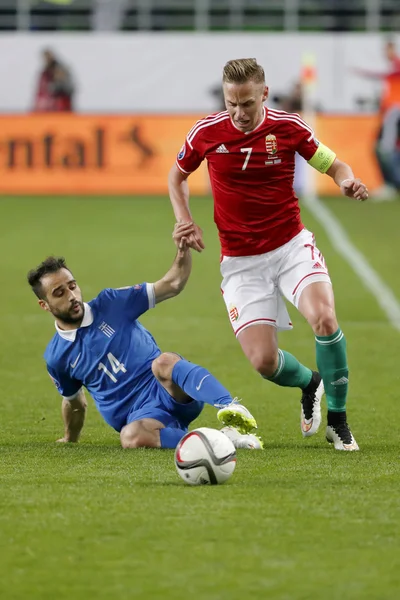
[254,287]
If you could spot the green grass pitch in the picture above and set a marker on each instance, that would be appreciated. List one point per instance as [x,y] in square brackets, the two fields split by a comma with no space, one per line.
[91,521]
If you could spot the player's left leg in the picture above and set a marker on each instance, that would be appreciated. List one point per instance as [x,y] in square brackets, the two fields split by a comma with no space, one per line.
[185,381]
[152,427]
[304,281]
[143,433]
[316,304]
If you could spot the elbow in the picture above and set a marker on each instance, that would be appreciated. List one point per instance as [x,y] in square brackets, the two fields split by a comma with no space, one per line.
[176,177]
[177,287]
[172,175]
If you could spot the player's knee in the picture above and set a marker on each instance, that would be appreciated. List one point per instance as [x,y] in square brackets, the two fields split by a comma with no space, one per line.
[132,442]
[325,322]
[265,363]
[136,436]
[130,435]
[162,365]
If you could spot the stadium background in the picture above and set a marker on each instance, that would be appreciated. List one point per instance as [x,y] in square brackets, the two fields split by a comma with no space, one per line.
[91,521]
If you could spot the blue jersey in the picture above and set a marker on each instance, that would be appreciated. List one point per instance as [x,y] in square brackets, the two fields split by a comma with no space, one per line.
[110,353]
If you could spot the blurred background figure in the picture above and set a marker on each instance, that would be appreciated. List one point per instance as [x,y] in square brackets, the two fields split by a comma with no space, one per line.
[292,102]
[217,93]
[55,89]
[387,148]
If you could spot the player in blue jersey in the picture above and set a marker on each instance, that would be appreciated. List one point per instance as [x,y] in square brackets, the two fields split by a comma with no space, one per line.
[149,396]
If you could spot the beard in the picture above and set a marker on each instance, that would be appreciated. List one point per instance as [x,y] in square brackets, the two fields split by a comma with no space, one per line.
[70,317]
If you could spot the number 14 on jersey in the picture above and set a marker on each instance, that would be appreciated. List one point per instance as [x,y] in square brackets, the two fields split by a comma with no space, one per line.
[115,365]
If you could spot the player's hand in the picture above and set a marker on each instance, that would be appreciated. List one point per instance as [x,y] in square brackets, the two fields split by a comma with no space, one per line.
[181,233]
[354,188]
[195,239]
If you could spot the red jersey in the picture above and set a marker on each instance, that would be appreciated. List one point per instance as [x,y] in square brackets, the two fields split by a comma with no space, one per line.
[391,90]
[48,101]
[255,207]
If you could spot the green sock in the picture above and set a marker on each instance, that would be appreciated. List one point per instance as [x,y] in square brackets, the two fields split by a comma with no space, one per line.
[290,373]
[332,365]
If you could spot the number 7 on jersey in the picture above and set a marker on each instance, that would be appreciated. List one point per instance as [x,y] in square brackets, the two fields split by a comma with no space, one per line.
[246,162]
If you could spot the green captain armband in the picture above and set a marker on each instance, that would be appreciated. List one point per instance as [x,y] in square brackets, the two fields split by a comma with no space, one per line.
[322,159]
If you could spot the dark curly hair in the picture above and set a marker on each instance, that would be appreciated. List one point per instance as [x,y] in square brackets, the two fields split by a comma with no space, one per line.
[51,264]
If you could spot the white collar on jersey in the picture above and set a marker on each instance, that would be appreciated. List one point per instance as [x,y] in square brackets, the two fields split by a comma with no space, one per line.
[70,334]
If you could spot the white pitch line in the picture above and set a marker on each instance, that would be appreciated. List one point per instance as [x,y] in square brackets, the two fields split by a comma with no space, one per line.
[341,242]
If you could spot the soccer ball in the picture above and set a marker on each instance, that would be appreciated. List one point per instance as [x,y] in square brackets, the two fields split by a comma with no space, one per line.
[205,456]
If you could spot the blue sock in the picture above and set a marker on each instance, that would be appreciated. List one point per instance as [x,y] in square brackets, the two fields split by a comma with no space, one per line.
[170,437]
[199,384]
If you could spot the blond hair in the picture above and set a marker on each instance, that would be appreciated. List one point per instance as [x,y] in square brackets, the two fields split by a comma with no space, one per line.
[242,70]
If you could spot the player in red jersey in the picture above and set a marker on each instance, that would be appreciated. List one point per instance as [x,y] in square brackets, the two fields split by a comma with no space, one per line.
[267,254]
[387,146]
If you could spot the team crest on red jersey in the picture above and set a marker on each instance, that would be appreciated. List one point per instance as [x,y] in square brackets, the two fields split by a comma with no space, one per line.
[271,144]
[233,313]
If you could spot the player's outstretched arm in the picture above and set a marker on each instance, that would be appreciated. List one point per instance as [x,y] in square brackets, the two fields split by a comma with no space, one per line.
[73,414]
[369,74]
[179,195]
[175,279]
[349,185]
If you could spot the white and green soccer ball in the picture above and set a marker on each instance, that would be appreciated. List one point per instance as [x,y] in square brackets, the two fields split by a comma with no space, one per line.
[205,456]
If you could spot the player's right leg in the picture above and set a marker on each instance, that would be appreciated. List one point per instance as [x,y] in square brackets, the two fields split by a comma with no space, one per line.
[256,311]
[186,382]
[161,421]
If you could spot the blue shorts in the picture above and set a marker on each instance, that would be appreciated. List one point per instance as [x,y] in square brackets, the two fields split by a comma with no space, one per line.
[158,404]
